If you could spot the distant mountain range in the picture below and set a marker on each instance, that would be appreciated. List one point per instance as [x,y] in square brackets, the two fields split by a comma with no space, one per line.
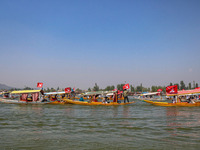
[5,87]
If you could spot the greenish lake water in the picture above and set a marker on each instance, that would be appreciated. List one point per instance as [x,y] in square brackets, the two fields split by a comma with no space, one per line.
[136,126]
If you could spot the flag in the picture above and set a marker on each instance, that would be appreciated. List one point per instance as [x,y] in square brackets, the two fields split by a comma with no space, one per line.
[115,90]
[159,90]
[126,86]
[67,90]
[172,89]
[39,85]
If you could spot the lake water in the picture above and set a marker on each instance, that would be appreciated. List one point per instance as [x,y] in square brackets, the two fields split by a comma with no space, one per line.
[136,126]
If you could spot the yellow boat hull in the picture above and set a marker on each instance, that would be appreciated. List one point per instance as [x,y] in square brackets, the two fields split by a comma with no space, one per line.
[185,104]
[95,103]
[57,102]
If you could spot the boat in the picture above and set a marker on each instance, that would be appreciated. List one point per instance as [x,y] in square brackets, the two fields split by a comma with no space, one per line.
[55,97]
[151,96]
[95,103]
[173,104]
[26,97]
[179,101]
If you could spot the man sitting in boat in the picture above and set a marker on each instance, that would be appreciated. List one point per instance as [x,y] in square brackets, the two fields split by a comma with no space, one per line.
[81,99]
[94,98]
[190,100]
[174,99]
[115,98]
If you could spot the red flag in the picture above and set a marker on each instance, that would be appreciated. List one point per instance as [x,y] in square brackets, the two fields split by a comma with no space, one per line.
[67,90]
[126,86]
[115,90]
[172,89]
[159,90]
[39,84]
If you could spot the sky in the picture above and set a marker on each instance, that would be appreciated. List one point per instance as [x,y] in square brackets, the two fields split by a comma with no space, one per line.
[78,43]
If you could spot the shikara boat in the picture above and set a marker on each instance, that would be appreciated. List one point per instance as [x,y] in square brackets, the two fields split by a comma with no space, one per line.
[173,104]
[26,97]
[180,94]
[95,103]
[151,96]
[55,97]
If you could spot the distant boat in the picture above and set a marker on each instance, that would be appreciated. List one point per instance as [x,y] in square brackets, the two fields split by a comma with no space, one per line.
[151,96]
[26,97]
[182,100]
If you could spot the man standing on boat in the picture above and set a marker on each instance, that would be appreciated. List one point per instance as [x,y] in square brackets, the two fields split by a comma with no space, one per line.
[125,95]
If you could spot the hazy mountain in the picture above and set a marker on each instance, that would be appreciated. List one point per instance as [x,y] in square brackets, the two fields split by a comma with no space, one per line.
[3,86]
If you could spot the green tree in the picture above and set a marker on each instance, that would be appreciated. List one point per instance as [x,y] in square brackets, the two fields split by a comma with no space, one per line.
[197,85]
[108,88]
[132,88]
[89,90]
[112,87]
[139,88]
[182,85]
[153,89]
[52,90]
[170,84]
[79,90]
[193,84]
[96,87]
[27,88]
[58,88]
[189,86]
[120,87]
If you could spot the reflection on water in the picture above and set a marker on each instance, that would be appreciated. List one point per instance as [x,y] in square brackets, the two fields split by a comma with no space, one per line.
[137,126]
[183,122]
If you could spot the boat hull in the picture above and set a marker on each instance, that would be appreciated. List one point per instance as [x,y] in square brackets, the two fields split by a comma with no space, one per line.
[95,103]
[57,103]
[7,101]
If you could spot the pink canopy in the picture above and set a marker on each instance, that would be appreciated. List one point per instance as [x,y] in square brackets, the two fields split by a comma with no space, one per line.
[186,92]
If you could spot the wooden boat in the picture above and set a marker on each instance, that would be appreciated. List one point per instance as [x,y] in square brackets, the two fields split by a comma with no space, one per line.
[95,103]
[151,96]
[26,97]
[55,97]
[173,104]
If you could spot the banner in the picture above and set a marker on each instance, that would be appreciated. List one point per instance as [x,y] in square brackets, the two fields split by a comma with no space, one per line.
[172,89]
[159,90]
[39,85]
[67,90]
[126,86]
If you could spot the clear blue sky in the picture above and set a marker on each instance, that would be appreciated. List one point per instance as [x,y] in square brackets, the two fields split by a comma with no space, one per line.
[82,42]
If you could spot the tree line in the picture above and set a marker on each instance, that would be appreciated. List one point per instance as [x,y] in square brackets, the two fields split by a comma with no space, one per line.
[140,88]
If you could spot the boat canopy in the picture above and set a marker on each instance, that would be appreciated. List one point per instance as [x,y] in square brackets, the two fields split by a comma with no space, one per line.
[152,93]
[54,93]
[186,92]
[25,91]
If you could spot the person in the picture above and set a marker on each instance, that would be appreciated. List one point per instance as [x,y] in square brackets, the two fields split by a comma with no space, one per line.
[94,98]
[174,99]
[125,95]
[81,99]
[107,100]
[104,100]
[115,97]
